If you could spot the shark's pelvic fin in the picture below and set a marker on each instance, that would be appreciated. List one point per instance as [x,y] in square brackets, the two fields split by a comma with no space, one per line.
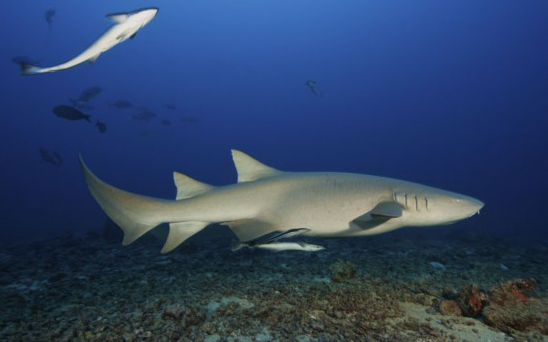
[179,232]
[188,187]
[94,58]
[250,169]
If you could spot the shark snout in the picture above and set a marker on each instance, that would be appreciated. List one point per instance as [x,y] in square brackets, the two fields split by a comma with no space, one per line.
[473,206]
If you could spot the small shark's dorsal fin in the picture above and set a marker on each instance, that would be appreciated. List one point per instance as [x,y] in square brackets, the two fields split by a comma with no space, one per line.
[250,169]
[117,17]
[188,187]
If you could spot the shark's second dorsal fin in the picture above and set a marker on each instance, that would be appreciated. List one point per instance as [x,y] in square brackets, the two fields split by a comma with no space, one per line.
[188,187]
[250,169]
[117,17]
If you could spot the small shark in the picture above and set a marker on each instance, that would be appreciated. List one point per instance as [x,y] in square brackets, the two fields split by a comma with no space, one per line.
[266,200]
[125,26]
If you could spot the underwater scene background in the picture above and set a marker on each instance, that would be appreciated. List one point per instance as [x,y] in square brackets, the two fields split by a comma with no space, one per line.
[450,94]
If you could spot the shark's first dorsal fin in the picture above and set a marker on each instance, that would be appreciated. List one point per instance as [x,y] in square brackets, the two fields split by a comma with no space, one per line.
[188,187]
[117,17]
[250,169]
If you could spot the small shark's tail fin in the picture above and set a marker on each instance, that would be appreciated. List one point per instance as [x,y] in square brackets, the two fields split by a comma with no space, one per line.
[29,69]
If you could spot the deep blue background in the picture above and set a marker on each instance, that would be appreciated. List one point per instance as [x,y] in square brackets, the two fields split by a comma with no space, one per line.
[452,94]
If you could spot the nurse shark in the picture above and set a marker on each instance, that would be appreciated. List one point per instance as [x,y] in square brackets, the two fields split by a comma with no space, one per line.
[267,200]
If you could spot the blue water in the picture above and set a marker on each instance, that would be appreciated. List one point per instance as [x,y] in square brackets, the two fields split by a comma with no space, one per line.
[452,94]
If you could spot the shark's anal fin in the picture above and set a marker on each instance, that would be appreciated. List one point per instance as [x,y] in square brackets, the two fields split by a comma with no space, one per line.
[381,213]
[188,187]
[250,169]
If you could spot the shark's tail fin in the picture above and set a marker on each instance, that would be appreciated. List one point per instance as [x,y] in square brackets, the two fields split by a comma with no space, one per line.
[29,69]
[135,214]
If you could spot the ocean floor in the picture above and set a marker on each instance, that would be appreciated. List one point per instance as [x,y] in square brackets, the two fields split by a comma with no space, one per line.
[386,288]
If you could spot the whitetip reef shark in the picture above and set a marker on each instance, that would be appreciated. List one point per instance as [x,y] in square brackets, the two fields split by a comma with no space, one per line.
[266,200]
[125,26]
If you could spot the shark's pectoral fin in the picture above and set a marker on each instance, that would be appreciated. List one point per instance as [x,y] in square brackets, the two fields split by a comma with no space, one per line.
[381,213]
[94,58]
[117,17]
[387,209]
[247,230]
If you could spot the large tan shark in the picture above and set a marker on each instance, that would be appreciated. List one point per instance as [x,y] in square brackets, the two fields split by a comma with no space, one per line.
[267,200]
